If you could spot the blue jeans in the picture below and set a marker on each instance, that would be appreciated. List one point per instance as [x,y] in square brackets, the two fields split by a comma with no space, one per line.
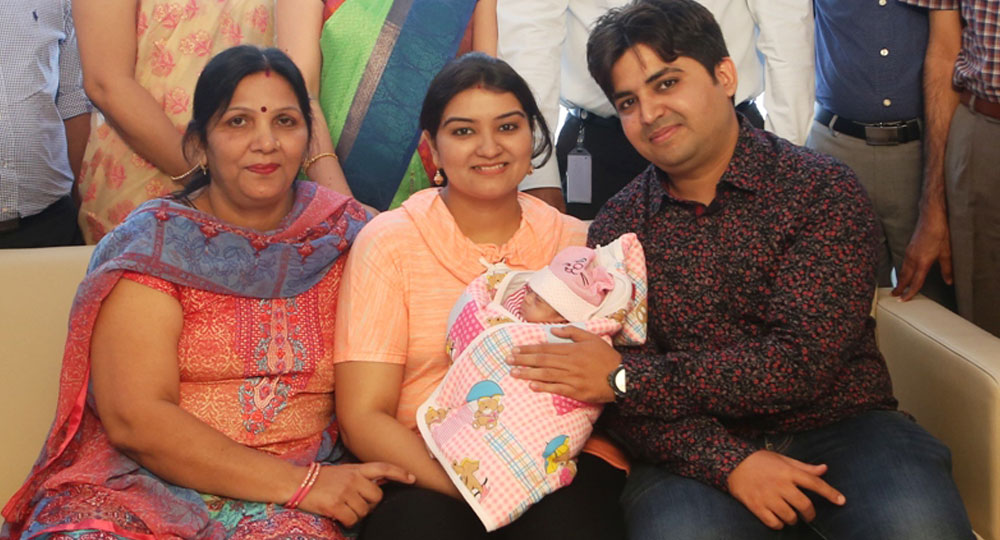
[896,478]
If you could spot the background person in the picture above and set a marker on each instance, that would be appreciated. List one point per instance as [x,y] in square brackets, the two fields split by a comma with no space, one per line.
[369,65]
[960,208]
[869,114]
[44,122]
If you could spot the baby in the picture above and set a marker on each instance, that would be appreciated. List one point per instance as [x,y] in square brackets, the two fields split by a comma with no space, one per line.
[573,281]
[504,445]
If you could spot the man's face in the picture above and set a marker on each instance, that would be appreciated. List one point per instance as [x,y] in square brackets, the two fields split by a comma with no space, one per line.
[674,113]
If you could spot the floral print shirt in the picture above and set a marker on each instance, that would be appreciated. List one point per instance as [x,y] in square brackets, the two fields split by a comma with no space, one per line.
[759,308]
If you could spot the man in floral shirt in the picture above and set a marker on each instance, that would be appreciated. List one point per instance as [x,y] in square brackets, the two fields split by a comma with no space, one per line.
[760,406]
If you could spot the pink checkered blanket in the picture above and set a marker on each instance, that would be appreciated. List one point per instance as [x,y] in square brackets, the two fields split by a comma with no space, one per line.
[504,445]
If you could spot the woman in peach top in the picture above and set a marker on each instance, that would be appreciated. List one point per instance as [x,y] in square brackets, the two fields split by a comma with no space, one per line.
[140,60]
[407,268]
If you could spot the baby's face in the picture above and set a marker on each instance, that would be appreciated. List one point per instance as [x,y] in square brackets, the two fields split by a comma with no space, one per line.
[536,310]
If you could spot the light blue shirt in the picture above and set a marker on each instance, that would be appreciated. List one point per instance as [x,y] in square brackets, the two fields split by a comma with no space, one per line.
[41,85]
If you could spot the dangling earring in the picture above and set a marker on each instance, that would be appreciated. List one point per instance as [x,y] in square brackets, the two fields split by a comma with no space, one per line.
[438,178]
[531,170]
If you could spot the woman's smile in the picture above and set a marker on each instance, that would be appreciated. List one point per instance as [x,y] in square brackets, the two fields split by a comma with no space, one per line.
[263,168]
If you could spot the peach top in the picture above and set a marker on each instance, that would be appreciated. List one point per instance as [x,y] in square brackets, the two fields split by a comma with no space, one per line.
[405,272]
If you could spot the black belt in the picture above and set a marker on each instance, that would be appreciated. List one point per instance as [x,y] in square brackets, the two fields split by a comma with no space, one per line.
[880,134]
[9,225]
[13,224]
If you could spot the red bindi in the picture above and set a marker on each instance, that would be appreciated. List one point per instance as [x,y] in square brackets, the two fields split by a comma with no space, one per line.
[267,72]
[263,109]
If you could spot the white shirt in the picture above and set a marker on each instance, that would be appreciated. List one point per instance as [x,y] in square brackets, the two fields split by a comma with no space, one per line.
[771,42]
[41,85]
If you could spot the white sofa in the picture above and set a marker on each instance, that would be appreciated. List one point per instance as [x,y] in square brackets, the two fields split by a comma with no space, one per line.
[945,371]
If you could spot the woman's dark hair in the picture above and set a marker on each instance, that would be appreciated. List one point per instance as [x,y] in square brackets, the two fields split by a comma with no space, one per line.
[216,86]
[672,28]
[478,69]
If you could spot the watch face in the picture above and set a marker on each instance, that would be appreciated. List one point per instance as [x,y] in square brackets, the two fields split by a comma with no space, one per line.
[620,379]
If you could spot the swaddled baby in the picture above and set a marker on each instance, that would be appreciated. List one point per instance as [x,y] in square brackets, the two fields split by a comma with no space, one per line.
[504,445]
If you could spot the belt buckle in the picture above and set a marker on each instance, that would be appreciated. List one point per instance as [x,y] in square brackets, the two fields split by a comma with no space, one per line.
[881,135]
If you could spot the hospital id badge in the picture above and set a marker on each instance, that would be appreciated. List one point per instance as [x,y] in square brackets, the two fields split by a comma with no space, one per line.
[578,176]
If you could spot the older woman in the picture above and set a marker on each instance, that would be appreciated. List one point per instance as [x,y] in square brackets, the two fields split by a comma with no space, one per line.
[407,269]
[141,59]
[196,398]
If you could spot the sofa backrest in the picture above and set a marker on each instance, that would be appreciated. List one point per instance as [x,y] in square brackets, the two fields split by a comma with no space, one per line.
[36,291]
[946,373]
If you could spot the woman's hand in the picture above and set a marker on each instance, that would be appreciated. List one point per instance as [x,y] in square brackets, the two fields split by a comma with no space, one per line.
[348,493]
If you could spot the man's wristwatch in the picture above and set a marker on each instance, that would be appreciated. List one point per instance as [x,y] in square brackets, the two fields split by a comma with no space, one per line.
[616,380]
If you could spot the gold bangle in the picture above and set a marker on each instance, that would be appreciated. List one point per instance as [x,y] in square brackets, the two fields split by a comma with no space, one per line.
[308,163]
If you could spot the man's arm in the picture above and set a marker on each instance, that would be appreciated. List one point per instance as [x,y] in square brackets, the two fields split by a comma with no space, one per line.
[930,241]
[786,41]
[77,133]
[817,313]
[74,108]
[531,36]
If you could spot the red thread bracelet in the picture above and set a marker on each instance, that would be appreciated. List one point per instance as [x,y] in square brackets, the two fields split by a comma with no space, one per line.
[307,483]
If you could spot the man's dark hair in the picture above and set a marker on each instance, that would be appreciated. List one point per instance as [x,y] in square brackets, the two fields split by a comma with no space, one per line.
[672,28]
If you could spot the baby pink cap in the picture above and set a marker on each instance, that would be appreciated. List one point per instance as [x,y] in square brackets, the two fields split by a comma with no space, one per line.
[573,283]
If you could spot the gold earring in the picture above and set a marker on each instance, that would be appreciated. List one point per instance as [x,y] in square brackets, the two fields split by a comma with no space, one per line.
[438,178]
[531,170]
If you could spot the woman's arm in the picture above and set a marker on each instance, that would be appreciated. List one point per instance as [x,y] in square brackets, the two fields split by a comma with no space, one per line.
[367,396]
[298,25]
[484,27]
[107,41]
[136,387]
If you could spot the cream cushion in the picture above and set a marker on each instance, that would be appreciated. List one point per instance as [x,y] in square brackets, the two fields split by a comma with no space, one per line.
[36,291]
[946,373]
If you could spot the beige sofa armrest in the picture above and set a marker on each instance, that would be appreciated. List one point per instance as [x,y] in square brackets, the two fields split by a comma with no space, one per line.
[37,288]
[946,373]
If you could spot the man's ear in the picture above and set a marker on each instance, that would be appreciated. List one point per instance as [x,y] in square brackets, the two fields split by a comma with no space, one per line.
[725,74]
[426,136]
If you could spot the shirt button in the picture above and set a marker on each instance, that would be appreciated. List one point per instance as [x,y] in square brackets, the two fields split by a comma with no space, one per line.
[882,2]
[886,102]
[884,52]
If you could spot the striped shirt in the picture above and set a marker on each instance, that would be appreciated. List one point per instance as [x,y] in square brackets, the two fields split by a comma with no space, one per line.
[41,85]
[978,66]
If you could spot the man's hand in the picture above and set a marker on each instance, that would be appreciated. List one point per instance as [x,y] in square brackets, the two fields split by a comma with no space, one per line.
[577,370]
[930,242]
[770,485]
[553,196]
